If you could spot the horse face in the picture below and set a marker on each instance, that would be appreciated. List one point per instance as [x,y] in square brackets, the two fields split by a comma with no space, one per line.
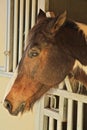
[42,66]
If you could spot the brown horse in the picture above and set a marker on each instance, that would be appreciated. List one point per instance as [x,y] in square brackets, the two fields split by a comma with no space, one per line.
[56,47]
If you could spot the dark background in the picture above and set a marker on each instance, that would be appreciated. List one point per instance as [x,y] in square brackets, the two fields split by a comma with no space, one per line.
[76,9]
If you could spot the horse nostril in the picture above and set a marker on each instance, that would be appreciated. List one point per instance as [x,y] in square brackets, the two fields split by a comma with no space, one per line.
[7,105]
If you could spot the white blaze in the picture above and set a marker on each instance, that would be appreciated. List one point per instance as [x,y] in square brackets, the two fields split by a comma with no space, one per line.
[78,64]
[83,27]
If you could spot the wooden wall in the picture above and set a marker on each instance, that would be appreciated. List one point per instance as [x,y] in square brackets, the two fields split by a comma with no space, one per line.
[77,9]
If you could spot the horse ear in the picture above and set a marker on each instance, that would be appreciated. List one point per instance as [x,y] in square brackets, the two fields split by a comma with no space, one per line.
[41,15]
[59,22]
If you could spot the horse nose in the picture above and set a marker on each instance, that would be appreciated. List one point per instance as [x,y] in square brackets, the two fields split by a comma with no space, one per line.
[8,105]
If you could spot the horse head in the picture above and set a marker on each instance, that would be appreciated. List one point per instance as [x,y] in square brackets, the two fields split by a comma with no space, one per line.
[45,63]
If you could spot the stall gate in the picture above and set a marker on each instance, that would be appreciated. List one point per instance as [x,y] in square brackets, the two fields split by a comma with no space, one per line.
[61,110]
[21,16]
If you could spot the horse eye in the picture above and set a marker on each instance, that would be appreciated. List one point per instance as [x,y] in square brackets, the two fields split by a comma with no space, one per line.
[33,53]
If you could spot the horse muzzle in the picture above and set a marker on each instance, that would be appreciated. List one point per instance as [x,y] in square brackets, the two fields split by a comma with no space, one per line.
[20,109]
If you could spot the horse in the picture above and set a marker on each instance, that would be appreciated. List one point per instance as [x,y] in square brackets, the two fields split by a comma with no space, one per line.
[56,48]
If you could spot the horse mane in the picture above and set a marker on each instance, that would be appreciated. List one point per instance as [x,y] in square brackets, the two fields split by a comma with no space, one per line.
[71,24]
[74,26]
[73,40]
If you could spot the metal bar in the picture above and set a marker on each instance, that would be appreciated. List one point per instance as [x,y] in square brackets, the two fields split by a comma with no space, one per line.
[5,74]
[9,37]
[33,15]
[21,28]
[51,113]
[80,116]
[70,113]
[69,95]
[45,123]
[68,85]
[27,20]
[37,115]
[59,125]
[51,123]
[52,102]
[61,108]
[15,42]
[41,124]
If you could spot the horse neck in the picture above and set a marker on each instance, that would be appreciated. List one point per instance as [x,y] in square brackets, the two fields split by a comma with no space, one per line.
[73,42]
